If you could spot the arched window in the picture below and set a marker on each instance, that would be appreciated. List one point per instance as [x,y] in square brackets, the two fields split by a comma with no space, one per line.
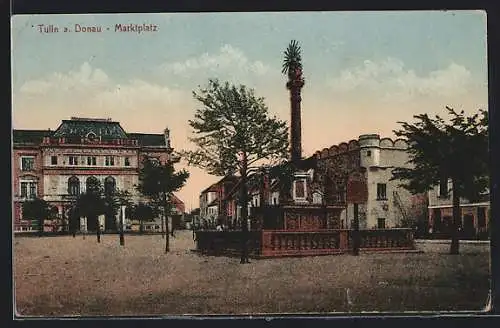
[92,184]
[109,185]
[73,186]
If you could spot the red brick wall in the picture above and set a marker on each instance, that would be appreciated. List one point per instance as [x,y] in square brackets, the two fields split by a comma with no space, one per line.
[18,152]
[16,168]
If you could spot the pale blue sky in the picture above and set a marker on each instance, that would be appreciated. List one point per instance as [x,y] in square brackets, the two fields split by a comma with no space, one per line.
[364,70]
[331,41]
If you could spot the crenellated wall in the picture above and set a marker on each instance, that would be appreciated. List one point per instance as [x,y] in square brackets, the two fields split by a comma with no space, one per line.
[376,157]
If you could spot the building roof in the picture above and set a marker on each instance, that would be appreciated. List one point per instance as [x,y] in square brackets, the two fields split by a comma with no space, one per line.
[34,137]
[227,178]
[148,139]
[77,128]
[83,127]
[176,200]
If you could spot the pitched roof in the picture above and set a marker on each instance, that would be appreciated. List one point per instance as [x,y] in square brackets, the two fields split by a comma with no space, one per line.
[29,136]
[76,128]
[82,127]
[232,178]
[176,200]
[145,139]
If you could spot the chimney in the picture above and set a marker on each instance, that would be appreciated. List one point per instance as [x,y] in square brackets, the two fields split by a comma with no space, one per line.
[166,134]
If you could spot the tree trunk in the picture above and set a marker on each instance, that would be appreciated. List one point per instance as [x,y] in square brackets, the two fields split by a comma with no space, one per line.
[244,212]
[122,235]
[40,223]
[162,226]
[457,218]
[355,231]
[167,239]
[141,227]
[165,212]
[98,230]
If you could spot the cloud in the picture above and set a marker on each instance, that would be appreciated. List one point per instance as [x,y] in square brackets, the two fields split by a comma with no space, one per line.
[139,95]
[391,80]
[86,77]
[228,61]
[89,91]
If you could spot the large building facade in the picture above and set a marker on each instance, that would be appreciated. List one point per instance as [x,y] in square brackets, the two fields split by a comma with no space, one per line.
[57,165]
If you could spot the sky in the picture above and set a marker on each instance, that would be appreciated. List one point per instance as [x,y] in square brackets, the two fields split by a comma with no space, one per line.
[364,71]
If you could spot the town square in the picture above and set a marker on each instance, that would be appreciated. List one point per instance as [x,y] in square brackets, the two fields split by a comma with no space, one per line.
[282,174]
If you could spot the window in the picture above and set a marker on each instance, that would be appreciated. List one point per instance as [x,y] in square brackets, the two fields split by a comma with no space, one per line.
[127,161]
[28,189]
[110,161]
[91,160]
[73,186]
[381,223]
[53,160]
[73,160]
[381,191]
[368,153]
[317,199]
[27,163]
[92,185]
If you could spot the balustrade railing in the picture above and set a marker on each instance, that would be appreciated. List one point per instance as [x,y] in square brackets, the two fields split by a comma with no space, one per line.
[283,242]
[216,242]
[384,239]
[275,243]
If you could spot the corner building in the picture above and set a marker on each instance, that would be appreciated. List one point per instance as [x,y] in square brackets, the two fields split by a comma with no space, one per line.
[56,165]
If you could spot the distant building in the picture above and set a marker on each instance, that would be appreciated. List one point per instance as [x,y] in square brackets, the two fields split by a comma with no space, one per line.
[475,215]
[58,165]
[213,203]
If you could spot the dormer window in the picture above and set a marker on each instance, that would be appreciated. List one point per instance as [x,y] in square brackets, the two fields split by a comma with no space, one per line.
[91,135]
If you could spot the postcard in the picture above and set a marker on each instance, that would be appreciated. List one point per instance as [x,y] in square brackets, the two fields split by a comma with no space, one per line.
[250,163]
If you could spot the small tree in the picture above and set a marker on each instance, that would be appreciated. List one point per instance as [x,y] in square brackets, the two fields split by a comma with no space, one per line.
[158,181]
[37,209]
[234,133]
[91,204]
[441,151]
[143,212]
[114,199]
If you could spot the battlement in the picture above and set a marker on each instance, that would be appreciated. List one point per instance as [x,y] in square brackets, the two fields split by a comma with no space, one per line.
[364,141]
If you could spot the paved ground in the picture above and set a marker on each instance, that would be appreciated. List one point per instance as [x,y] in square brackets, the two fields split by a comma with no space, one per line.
[75,276]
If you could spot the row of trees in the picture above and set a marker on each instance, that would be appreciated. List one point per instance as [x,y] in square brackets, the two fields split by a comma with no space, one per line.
[157,182]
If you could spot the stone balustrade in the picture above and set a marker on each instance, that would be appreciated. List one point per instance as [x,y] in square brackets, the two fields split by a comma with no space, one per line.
[279,243]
